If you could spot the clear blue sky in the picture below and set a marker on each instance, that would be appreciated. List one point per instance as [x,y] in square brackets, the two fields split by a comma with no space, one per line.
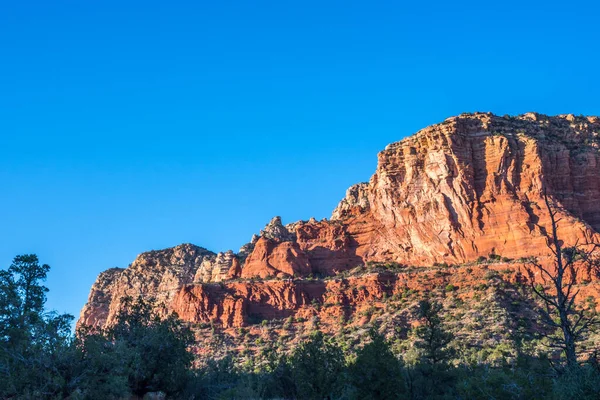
[127,126]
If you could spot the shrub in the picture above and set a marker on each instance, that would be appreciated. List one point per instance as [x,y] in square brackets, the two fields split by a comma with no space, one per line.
[494,257]
[450,288]
[491,274]
[539,287]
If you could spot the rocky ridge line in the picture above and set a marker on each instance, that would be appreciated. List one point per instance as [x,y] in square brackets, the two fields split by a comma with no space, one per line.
[454,191]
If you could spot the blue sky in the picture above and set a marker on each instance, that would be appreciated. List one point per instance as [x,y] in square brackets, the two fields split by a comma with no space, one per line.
[138,125]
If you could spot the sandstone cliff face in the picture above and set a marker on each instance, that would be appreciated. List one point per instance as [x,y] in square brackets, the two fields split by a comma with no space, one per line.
[473,185]
[157,274]
[96,311]
[239,304]
[469,186]
[215,268]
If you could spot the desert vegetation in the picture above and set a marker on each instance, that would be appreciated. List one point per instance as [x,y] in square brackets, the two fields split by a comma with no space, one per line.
[488,348]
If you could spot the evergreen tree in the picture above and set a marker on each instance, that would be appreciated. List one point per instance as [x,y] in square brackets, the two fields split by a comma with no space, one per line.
[431,377]
[432,338]
[154,350]
[31,340]
[317,368]
[376,372]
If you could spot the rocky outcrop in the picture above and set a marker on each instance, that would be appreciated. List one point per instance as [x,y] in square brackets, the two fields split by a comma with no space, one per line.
[355,202]
[246,249]
[468,187]
[277,232]
[216,268]
[239,304]
[329,246]
[272,258]
[96,311]
[155,274]
[473,185]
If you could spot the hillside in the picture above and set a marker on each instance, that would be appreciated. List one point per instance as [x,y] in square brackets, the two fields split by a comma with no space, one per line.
[454,211]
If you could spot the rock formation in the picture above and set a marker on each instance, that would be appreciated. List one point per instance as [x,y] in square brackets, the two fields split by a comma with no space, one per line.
[473,185]
[158,274]
[468,187]
[216,268]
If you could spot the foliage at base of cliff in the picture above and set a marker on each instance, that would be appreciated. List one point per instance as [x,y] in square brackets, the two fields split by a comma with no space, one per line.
[443,343]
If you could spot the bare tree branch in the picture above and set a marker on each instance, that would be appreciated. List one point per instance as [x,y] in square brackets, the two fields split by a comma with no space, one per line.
[560,311]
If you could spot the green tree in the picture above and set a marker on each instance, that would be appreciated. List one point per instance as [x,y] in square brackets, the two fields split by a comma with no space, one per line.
[432,338]
[22,301]
[376,372]
[430,376]
[273,375]
[581,382]
[97,367]
[154,350]
[317,368]
[32,341]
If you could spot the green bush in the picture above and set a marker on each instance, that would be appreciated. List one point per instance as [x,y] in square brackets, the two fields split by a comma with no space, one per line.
[376,373]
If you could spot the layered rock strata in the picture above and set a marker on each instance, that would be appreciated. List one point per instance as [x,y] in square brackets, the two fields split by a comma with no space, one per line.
[470,186]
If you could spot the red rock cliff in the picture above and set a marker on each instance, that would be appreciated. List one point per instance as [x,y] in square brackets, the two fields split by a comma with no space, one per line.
[473,185]
[469,186]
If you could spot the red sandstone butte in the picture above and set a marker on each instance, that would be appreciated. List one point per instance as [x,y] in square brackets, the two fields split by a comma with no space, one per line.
[469,186]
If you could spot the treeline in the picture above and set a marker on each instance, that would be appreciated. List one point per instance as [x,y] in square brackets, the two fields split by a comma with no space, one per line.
[144,355]
[40,358]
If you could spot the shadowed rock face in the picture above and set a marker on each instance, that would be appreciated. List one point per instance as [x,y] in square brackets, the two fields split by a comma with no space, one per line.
[469,186]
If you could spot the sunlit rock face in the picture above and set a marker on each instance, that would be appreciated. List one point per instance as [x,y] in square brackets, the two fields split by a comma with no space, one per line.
[156,274]
[470,186]
[473,185]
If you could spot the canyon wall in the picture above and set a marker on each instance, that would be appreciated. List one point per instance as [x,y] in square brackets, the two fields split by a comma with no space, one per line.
[470,186]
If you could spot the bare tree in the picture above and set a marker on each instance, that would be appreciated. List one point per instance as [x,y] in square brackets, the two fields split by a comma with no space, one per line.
[560,309]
